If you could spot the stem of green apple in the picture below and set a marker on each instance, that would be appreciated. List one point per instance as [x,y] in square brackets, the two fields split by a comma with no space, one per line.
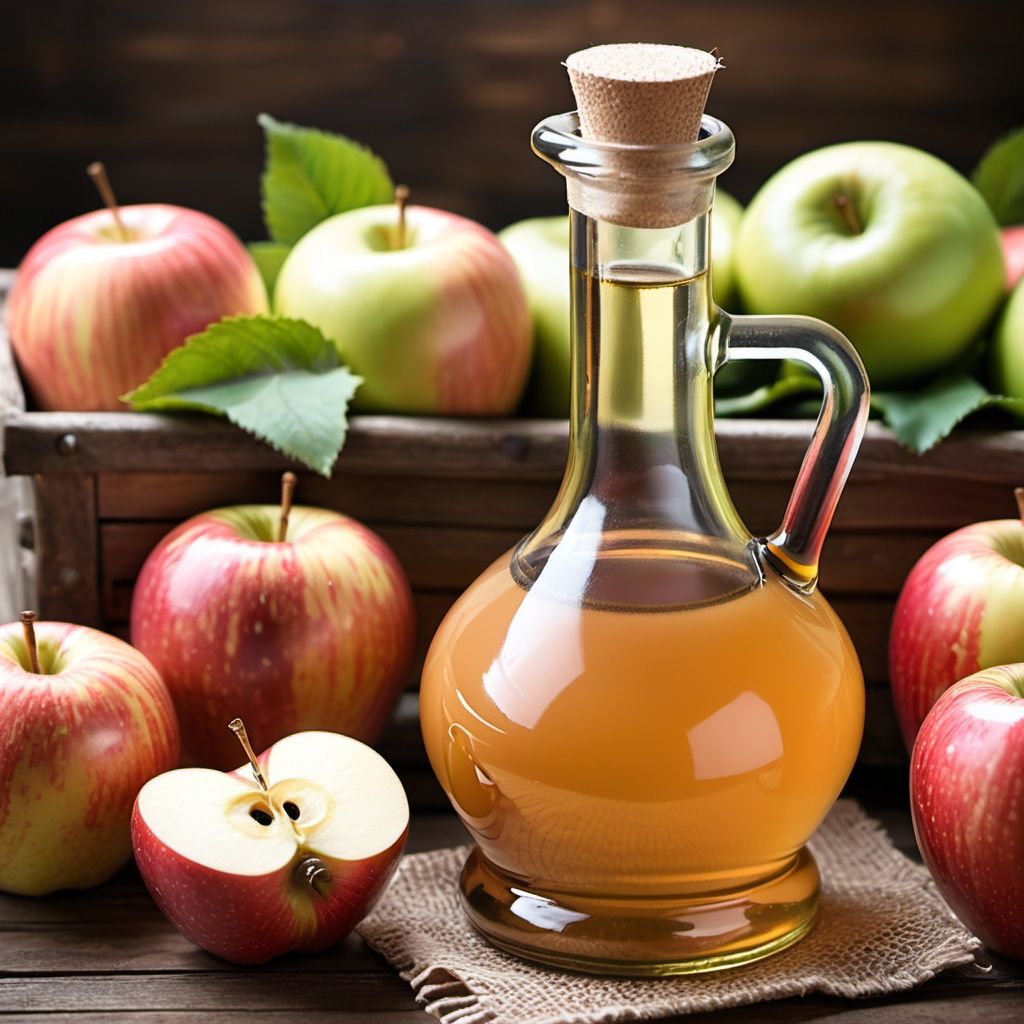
[238,728]
[98,173]
[401,199]
[28,625]
[288,482]
[1018,493]
[849,215]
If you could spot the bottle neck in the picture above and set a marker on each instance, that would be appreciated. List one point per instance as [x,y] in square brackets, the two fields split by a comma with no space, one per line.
[646,337]
[643,326]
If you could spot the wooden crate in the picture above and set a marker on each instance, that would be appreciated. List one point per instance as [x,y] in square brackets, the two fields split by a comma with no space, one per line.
[450,496]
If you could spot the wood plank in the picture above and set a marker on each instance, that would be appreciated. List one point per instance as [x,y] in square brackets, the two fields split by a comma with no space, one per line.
[441,558]
[36,442]
[412,498]
[204,989]
[244,1015]
[67,569]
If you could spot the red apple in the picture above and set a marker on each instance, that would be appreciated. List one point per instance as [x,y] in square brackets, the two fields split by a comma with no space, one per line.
[967,800]
[961,609]
[285,854]
[92,312]
[435,321]
[1013,253]
[86,721]
[312,632]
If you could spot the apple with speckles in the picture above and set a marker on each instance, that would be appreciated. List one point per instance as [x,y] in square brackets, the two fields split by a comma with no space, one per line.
[426,306]
[99,300]
[302,615]
[86,722]
[960,610]
[286,854]
[967,803]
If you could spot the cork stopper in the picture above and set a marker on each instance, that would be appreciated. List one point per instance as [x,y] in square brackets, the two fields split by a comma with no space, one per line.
[642,95]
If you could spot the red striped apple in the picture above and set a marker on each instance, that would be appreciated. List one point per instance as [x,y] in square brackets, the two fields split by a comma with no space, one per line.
[313,631]
[1012,240]
[432,316]
[86,721]
[961,609]
[287,853]
[967,801]
[93,311]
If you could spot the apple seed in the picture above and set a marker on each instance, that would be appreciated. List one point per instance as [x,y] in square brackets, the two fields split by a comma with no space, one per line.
[261,816]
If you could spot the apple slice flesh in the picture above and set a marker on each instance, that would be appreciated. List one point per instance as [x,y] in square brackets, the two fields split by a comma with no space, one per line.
[217,820]
[332,782]
[327,794]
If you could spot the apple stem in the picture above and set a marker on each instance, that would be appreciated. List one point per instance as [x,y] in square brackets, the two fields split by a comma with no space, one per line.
[314,872]
[288,482]
[28,625]
[849,215]
[98,173]
[401,200]
[1018,493]
[236,726]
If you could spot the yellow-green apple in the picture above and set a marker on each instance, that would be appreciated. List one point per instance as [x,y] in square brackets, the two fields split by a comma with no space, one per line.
[1006,353]
[887,243]
[967,803]
[287,853]
[540,248]
[86,721]
[426,306]
[93,309]
[726,217]
[959,611]
[314,631]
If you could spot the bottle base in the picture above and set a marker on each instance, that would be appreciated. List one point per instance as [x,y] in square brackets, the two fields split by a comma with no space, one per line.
[641,936]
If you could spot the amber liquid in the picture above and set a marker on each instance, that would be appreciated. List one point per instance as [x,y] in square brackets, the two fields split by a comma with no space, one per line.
[638,754]
[644,731]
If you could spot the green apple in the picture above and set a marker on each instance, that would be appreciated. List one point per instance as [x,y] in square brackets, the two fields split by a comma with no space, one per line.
[540,248]
[428,309]
[726,216]
[1007,352]
[887,243]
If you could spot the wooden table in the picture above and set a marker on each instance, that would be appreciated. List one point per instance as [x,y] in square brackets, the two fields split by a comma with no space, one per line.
[109,956]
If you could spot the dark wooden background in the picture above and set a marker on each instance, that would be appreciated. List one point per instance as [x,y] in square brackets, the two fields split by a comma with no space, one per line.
[167,93]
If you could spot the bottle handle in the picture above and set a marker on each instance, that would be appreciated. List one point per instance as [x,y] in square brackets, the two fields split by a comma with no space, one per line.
[794,548]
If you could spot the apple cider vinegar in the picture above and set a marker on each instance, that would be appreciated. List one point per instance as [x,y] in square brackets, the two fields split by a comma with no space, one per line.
[645,756]
[642,712]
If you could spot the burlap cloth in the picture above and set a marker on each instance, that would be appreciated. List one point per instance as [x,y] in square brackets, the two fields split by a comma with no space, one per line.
[882,928]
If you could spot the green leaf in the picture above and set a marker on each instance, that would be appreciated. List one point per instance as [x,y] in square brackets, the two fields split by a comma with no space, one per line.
[784,389]
[280,380]
[269,257]
[922,418]
[999,177]
[311,175]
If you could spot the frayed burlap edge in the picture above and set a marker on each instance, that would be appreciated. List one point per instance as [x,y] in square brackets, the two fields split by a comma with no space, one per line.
[882,928]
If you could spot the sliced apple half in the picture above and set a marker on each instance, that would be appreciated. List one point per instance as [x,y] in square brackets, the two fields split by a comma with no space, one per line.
[249,868]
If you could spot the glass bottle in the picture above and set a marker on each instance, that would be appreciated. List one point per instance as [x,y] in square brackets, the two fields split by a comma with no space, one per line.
[642,712]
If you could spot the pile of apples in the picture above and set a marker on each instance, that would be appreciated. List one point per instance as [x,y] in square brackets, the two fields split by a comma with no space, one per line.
[884,241]
[300,618]
[956,669]
[425,306]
